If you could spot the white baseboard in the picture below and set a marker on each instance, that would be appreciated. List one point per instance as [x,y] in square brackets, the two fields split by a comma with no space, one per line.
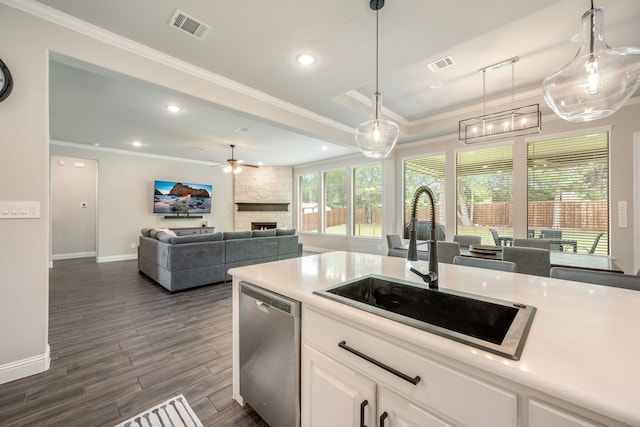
[25,367]
[73,255]
[116,258]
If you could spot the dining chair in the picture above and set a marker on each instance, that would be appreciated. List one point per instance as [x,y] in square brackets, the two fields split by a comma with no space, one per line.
[604,278]
[394,241]
[466,240]
[447,251]
[532,243]
[529,260]
[492,264]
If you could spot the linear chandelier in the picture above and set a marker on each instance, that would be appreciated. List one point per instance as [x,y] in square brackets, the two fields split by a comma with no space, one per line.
[503,124]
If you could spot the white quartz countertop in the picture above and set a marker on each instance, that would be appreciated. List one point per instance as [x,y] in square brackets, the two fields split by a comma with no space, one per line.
[583,346]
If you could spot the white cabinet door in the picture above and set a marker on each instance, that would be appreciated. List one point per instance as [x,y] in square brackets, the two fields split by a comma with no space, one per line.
[397,412]
[334,395]
[542,415]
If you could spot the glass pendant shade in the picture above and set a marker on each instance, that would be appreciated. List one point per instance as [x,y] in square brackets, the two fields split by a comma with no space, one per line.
[598,81]
[377,137]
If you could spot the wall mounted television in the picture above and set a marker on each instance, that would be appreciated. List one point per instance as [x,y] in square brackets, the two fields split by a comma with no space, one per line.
[181,199]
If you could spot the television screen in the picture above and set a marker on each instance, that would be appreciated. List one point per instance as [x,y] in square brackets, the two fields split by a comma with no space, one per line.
[172,197]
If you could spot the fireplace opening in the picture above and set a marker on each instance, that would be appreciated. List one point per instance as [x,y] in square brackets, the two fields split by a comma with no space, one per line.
[263,225]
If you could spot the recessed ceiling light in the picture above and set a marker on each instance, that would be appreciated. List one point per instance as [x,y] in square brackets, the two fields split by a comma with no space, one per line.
[173,108]
[437,85]
[306,59]
[136,144]
[243,129]
[324,148]
[198,148]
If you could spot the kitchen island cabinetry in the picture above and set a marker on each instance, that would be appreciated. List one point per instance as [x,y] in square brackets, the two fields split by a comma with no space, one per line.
[579,366]
[410,386]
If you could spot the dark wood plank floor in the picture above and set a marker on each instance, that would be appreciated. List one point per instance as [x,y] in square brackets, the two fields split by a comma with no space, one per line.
[121,344]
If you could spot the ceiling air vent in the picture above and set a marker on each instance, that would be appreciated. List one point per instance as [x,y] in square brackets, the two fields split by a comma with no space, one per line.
[441,64]
[189,24]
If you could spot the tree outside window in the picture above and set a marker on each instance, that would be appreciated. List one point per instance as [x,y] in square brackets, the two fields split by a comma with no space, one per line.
[308,196]
[335,202]
[367,201]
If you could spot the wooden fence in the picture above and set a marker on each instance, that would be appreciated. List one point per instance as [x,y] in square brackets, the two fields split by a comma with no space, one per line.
[587,215]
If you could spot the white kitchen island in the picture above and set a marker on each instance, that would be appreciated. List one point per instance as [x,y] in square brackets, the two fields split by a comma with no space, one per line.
[580,365]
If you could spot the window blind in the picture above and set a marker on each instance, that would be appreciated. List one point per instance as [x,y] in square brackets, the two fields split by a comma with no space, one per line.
[484,188]
[568,187]
[427,171]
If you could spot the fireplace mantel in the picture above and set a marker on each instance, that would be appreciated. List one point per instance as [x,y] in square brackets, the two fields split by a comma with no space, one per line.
[262,207]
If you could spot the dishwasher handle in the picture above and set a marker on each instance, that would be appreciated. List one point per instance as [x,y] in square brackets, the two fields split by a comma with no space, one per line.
[269,299]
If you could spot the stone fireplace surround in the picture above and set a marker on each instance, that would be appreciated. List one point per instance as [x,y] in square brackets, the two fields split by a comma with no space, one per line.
[267,193]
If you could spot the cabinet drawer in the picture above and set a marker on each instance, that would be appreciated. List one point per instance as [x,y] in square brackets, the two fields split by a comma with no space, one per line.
[542,415]
[456,395]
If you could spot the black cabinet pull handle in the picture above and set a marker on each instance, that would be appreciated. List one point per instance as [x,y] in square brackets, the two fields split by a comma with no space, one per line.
[383,417]
[362,405]
[414,381]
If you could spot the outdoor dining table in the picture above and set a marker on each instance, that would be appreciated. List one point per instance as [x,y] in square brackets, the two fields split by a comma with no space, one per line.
[563,259]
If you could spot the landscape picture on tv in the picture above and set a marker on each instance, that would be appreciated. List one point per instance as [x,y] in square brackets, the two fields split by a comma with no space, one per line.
[172,197]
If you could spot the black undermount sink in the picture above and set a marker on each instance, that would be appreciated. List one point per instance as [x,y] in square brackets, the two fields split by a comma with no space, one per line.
[497,326]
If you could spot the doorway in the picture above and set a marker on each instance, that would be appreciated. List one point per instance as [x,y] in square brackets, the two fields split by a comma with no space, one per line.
[73,207]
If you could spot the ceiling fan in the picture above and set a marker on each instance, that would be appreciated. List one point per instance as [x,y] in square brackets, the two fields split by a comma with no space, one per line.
[234,165]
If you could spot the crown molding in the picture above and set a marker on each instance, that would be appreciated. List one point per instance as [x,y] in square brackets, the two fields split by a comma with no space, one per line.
[74,24]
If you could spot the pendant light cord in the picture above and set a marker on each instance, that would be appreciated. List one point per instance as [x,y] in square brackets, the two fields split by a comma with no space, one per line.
[593,30]
[377,95]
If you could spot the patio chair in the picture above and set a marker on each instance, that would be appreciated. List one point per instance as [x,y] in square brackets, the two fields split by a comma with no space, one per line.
[491,264]
[595,243]
[500,241]
[604,278]
[465,240]
[447,251]
[533,243]
[535,261]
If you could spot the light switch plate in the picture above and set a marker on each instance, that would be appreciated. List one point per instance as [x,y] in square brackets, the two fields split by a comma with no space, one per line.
[19,209]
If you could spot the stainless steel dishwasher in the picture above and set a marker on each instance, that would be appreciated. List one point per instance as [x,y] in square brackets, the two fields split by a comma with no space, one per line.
[270,355]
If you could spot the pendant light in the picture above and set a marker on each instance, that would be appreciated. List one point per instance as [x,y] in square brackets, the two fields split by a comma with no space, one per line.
[377,137]
[598,81]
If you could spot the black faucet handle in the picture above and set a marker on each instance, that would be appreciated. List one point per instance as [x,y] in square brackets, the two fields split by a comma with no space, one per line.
[429,278]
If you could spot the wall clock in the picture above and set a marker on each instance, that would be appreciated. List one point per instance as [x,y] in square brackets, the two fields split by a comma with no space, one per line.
[6,81]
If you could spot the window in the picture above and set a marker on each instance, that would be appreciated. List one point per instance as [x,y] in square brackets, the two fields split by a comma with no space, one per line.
[367,201]
[427,171]
[568,190]
[484,180]
[308,189]
[335,202]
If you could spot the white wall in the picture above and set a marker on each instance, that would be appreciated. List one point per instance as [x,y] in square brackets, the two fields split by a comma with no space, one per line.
[125,196]
[24,149]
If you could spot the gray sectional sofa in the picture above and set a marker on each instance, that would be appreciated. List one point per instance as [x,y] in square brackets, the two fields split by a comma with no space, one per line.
[183,262]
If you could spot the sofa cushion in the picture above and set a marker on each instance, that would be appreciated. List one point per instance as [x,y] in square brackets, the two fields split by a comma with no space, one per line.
[230,235]
[285,231]
[263,233]
[192,238]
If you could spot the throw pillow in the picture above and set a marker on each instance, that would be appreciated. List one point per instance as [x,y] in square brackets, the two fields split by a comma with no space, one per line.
[230,235]
[263,233]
